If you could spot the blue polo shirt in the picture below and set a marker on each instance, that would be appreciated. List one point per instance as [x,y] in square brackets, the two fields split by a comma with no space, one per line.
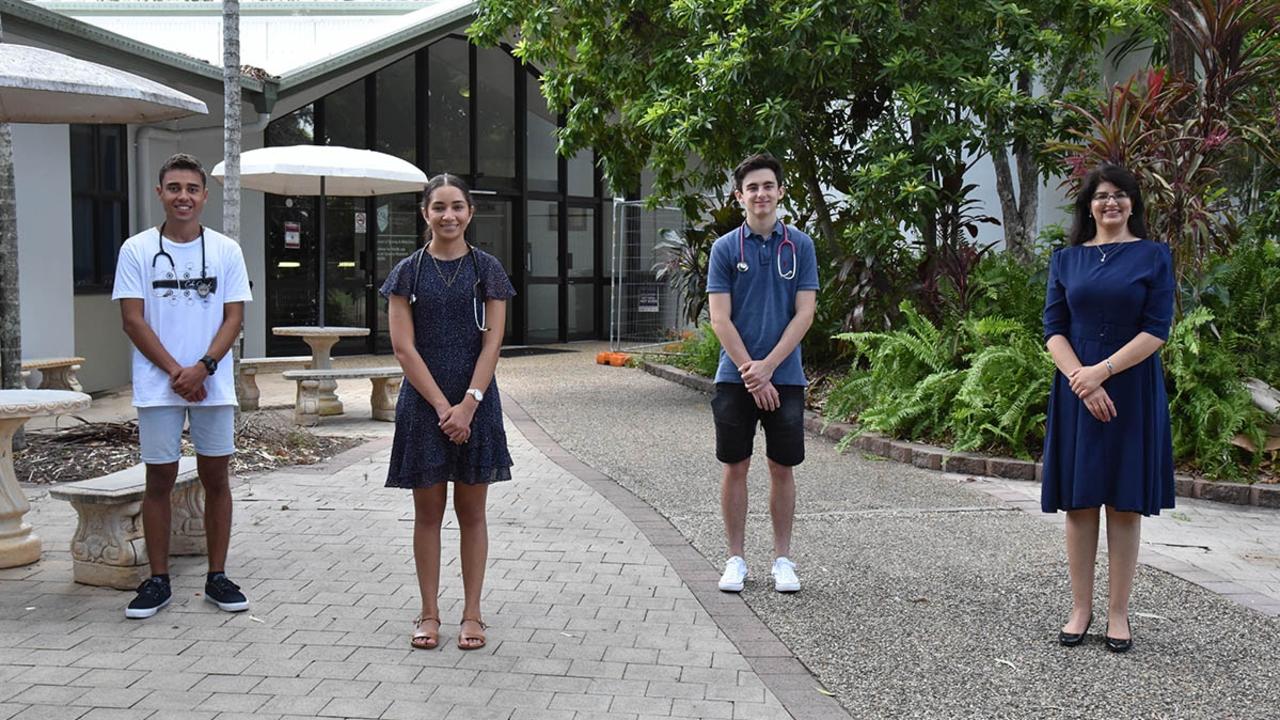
[763,301]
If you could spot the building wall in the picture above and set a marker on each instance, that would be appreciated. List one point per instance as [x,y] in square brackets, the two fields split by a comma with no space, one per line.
[41,157]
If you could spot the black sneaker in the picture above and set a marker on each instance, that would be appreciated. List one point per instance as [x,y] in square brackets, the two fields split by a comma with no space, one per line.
[225,594]
[153,594]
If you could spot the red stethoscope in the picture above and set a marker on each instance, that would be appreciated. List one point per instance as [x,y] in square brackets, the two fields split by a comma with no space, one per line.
[786,240]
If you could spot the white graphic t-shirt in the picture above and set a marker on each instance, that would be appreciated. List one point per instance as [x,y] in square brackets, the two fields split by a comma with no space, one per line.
[183,287]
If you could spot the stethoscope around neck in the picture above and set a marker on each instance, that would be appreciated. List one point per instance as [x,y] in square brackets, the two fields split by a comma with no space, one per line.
[203,286]
[742,265]
[478,311]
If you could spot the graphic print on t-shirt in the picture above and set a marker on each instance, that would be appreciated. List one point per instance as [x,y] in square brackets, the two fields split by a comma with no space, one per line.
[184,283]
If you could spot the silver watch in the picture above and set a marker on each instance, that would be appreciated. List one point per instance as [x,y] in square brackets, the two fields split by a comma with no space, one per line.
[476,393]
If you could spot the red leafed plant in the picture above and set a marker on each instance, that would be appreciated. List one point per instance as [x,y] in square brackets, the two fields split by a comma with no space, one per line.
[1178,134]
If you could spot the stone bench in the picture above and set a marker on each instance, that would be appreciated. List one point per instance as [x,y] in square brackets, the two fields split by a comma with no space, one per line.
[109,549]
[56,373]
[386,387]
[247,383]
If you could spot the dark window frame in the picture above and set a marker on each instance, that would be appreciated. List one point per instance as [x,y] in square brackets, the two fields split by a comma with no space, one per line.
[102,280]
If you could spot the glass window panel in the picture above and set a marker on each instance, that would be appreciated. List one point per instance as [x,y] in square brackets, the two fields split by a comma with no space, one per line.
[344,116]
[113,231]
[540,139]
[296,128]
[496,118]
[449,107]
[396,118]
[582,310]
[581,174]
[111,145]
[491,228]
[82,177]
[542,313]
[396,234]
[543,232]
[344,278]
[292,262]
[582,242]
[82,241]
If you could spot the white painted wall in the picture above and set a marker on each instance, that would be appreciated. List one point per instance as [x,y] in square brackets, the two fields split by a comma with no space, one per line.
[42,158]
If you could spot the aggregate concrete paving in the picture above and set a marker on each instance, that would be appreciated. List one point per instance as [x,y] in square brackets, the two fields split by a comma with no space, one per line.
[923,597]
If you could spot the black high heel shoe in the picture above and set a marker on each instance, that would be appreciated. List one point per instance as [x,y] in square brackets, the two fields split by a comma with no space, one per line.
[1067,639]
[1116,645]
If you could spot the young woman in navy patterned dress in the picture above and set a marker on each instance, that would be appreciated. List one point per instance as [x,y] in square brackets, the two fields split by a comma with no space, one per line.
[447,311]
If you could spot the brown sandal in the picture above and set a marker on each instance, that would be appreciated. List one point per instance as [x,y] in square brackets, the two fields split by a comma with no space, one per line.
[471,642]
[422,639]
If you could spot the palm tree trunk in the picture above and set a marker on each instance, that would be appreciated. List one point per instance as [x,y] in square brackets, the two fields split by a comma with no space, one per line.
[231,139]
[10,317]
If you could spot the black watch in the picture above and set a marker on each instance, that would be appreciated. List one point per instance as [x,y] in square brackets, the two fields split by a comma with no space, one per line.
[209,364]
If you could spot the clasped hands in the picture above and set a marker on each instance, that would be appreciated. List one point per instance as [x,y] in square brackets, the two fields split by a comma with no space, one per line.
[1086,383]
[757,377]
[455,421]
[188,382]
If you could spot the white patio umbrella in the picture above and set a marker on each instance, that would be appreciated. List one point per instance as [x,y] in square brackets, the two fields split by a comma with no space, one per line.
[42,86]
[325,170]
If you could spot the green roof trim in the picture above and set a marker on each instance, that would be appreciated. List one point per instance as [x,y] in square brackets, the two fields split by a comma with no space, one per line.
[247,8]
[456,17]
[56,29]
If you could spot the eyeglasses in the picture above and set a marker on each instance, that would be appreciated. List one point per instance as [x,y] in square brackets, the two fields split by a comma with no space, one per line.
[1118,196]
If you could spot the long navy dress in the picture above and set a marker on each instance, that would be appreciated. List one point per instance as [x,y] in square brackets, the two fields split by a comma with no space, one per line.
[1099,306]
[445,334]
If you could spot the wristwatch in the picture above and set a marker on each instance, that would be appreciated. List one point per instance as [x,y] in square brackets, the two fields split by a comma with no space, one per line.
[209,364]
[476,393]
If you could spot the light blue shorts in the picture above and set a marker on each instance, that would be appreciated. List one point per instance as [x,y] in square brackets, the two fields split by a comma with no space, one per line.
[160,431]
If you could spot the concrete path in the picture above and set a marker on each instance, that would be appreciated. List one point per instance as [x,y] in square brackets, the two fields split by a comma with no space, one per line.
[926,595]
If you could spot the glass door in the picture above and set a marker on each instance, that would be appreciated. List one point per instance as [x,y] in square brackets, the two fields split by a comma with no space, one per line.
[396,229]
[346,276]
[542,273]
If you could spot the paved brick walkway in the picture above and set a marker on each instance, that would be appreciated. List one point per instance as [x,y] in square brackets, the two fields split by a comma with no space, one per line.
[588,617]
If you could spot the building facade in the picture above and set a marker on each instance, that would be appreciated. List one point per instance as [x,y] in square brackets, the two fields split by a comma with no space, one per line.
[419,91]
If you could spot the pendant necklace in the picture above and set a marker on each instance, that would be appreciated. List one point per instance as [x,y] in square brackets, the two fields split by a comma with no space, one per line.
[1103,254]
[448,282]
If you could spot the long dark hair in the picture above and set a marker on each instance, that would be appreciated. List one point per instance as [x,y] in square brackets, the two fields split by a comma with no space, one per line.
[1083,227]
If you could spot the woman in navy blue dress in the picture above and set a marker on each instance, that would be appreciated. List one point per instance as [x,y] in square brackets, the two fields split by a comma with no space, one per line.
[447,311]
[1107,313]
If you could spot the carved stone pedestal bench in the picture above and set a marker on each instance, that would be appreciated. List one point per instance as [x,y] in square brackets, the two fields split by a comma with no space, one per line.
[56,373]
[386,387]
[108,548]
[247,382]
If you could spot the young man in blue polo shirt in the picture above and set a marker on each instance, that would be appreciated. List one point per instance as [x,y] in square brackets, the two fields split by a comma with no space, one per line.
[762,289]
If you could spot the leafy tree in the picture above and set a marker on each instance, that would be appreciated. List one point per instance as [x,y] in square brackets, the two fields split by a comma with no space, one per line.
[879,107]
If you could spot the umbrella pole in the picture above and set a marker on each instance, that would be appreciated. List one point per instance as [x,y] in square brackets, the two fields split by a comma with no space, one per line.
[324,255]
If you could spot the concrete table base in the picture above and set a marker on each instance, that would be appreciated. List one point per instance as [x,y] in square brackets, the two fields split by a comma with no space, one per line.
[321,341]
[19,545]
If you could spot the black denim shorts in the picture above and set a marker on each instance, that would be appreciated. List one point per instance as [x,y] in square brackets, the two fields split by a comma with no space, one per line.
[736,416]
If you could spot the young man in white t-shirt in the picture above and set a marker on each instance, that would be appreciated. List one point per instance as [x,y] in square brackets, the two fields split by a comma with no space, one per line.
[182,289]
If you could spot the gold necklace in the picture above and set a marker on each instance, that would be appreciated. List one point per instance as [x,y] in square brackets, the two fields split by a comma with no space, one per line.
[448,281]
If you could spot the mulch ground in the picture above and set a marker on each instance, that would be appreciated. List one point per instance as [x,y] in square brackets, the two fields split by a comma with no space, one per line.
[265,440]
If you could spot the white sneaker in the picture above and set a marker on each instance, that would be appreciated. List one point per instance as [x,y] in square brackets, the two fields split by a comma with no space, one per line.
[784,576]
[735,573]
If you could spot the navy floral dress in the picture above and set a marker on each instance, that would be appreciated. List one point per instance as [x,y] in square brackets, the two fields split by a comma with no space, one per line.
[1099,306]
[446,336]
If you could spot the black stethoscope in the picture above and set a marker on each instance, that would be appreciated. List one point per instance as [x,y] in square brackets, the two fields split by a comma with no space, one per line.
[478,311]
[786,240]
[203,286]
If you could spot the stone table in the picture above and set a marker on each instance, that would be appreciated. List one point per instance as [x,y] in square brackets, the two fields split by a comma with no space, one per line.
[18,544]
[321,339]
